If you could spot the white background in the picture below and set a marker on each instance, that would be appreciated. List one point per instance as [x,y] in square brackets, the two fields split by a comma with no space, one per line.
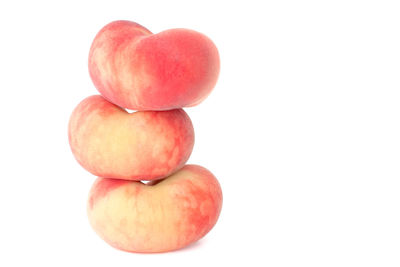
[302,131]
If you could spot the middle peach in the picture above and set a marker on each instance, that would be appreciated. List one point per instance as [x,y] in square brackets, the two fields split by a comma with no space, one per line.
[112,143]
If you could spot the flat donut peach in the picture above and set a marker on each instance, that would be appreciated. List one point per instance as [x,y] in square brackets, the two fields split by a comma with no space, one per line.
[110,142]
[159,217]
[138,70]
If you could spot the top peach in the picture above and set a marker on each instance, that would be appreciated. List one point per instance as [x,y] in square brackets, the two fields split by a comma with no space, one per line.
[138,70]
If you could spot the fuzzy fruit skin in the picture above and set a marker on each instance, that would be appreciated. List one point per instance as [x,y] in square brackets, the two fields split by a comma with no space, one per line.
[138,70]
[160,217]
[110,142]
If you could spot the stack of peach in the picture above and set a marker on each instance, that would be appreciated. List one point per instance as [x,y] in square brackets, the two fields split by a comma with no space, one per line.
[156,75]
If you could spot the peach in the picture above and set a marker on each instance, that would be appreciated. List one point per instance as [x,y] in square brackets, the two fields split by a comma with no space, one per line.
[156,217]
[138,70]
[110,142]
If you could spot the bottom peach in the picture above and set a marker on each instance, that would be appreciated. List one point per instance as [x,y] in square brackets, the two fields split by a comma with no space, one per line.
[159,216]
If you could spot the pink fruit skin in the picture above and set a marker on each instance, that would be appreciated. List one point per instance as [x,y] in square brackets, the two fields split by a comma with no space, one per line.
[110,142]
[138,70]
[161,217]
